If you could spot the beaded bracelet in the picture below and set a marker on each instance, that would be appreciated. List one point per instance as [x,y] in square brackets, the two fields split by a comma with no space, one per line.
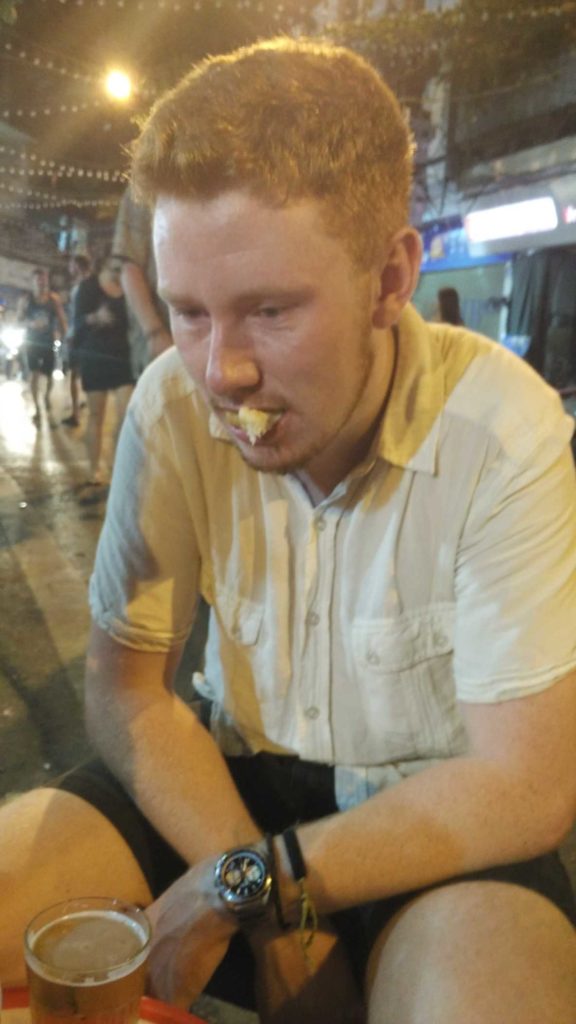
[308,924]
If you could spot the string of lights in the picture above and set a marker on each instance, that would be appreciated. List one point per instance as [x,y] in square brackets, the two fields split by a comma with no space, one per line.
[57,66]
[14,51]
[47,166]
[176,7]
[62,171]
[60,108]
[49,197]
[140,5]
[78,204]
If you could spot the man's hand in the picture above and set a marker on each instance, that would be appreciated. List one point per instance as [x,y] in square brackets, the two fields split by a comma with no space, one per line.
[190,936]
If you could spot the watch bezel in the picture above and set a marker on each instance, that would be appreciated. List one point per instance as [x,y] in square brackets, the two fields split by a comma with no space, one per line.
[249,906]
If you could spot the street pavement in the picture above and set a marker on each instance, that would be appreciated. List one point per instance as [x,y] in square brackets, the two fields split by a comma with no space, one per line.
[49,526]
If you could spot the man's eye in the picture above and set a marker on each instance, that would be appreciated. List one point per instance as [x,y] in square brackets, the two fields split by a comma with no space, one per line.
[191,315]
[270,312]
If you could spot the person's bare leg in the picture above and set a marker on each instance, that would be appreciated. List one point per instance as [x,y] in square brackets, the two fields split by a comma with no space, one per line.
[475,952]
[48,392]
[54,846]
[75,393]
[35,392]
[95,431]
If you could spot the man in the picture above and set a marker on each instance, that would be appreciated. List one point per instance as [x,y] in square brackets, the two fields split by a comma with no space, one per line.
[149,331]
[43,315]
[79,268]
[381,514]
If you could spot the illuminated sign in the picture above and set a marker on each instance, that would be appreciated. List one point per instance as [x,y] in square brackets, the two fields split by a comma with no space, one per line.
[529,217]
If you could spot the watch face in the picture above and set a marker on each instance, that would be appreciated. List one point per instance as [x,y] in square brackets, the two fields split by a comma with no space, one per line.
[244,874]
[243,879]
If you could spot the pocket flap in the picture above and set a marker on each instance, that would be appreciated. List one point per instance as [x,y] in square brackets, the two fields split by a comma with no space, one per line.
[241,617]
[389,645]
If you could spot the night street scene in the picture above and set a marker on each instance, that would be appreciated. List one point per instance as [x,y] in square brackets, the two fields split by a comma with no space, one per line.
[323,443]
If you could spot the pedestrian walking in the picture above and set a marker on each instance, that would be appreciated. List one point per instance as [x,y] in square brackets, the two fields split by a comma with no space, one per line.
[42,314]
[79,268]
[100,324]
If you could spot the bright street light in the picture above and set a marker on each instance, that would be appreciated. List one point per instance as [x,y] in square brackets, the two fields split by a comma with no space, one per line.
[118,85]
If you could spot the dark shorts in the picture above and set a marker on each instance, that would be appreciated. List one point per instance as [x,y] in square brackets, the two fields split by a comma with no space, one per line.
[73,359]
[40,359]
[279,792]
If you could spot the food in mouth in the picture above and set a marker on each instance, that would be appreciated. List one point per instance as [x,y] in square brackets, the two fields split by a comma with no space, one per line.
[254,422]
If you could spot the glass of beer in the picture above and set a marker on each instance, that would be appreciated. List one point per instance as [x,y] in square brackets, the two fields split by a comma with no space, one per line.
[86,962]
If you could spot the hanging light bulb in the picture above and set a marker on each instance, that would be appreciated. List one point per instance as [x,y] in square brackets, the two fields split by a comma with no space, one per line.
[118,85]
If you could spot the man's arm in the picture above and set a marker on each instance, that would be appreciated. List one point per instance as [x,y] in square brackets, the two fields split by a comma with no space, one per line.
[160,751]
[60,314]
[513,797]
[22,310]
[170,764]
[155,744]
[141,301]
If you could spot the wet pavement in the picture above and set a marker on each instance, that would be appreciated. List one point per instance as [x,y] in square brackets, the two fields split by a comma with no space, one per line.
[49,526]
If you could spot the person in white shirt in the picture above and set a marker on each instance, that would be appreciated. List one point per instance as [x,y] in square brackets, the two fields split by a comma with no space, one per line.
[381,514]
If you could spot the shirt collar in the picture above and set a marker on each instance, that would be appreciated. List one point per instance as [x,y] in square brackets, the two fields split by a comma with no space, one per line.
[410,427]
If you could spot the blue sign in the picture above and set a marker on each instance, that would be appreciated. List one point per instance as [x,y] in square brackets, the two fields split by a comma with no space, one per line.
[446,248]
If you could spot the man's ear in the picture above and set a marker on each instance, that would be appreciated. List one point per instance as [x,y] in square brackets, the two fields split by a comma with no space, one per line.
[397,277]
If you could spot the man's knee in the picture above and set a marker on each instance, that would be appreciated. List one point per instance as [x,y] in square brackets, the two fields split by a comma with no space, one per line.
[484,952]
[53,846]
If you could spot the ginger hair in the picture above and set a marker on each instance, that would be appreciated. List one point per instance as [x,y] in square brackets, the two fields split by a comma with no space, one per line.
[285,120]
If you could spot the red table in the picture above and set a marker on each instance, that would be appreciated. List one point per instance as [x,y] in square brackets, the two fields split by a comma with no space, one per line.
[150,1009]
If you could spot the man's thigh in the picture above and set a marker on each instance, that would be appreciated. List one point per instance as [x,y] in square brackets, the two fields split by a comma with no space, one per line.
[53,846]
[483,952]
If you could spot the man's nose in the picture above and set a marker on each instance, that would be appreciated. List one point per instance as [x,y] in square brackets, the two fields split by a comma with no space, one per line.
[231,364]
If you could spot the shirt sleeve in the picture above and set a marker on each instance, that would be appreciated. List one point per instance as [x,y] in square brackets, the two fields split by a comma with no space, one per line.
[144,588]
[515,628]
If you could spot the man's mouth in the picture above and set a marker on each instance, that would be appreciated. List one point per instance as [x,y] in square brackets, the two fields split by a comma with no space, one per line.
[254,422]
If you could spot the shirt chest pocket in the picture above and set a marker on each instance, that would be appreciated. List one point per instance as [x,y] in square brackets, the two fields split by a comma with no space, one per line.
[247,658]
[402,669]
[241,618]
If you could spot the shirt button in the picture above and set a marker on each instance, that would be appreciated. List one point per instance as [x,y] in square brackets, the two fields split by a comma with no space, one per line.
[320,524]
[312,713]
[439,638]
[373,658]
[313,618]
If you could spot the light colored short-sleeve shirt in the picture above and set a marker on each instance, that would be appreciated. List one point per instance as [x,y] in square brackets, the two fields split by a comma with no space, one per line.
[443,569]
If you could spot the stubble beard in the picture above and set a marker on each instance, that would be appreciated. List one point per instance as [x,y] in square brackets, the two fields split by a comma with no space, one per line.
[262,458]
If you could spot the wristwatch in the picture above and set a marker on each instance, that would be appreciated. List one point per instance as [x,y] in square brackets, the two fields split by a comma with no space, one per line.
[243,880]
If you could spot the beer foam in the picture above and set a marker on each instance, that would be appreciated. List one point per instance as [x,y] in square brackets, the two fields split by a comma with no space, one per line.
[92,946]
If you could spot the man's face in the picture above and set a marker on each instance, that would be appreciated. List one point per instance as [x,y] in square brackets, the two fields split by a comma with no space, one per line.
[267,310]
